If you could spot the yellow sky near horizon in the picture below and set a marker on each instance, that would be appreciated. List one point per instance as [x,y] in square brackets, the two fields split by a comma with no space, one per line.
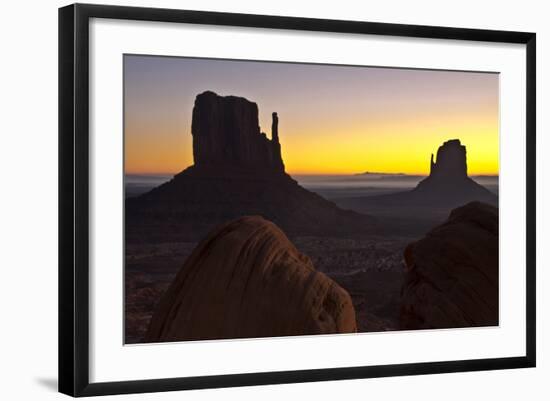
[392,124]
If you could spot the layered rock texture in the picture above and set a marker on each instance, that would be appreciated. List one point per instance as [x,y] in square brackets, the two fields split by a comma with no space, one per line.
[246,279]
[237,171]
[452,273]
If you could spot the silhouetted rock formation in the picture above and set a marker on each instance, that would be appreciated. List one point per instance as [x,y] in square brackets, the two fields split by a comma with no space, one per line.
[448,185]
[276,146]
[238,171]
[448,181]
[247,280]
[451,161]
[226,132]
[452,273]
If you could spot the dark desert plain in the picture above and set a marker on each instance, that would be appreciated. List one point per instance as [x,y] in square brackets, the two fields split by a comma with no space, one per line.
[371,205]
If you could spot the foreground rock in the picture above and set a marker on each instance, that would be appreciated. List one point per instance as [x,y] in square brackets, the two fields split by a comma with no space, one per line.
[237,171]
[247,280]
[452,273]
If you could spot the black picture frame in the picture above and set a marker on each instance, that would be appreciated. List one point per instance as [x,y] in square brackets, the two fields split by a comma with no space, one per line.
[74,191]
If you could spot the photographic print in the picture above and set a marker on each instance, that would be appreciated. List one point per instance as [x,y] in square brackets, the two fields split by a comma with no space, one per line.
[267,199]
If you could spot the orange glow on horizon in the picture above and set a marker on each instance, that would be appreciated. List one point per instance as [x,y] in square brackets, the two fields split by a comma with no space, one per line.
[333,119]
[374,149]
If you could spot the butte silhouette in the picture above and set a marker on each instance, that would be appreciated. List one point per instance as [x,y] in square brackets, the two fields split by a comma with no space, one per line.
[237,171]
[448,184]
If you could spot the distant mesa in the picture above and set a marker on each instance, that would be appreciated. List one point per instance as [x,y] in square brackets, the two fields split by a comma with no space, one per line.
[237,171]
[376,173]
[448,184]
[448,180]
[451,161]
[246,279]
[452,273]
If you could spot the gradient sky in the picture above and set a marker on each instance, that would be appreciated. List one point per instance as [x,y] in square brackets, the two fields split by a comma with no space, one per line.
[332,119]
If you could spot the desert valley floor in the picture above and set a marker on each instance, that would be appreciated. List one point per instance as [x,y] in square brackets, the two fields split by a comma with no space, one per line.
[371,270]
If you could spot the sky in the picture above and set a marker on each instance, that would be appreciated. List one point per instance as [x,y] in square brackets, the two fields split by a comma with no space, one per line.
[332,119]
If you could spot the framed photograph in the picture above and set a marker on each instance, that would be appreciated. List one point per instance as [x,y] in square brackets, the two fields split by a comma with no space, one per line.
[250,199]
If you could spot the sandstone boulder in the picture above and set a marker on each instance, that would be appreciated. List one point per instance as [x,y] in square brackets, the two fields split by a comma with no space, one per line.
[452,273]
[247,280]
